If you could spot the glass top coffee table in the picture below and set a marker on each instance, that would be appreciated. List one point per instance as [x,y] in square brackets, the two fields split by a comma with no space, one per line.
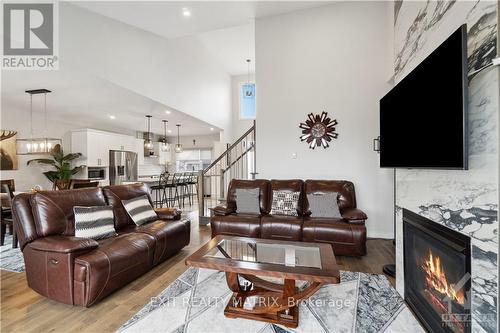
[260,299]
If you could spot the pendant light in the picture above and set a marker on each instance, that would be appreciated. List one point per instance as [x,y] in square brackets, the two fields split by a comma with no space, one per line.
[248,89]
[178,146]
[36,146]
[165,147]
[148,143]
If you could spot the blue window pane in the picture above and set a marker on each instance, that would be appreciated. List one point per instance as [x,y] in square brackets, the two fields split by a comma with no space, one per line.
[247,100]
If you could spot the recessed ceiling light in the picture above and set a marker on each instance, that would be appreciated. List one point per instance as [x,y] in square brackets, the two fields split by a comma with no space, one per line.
[112,117]
[168,112]
[186,12]
[211,128]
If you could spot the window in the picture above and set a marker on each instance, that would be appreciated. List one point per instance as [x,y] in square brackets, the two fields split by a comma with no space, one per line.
[193,160]
[247,101]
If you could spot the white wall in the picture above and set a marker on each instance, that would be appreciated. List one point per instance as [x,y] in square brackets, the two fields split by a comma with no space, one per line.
[180,73]
[331,58]
[239,126]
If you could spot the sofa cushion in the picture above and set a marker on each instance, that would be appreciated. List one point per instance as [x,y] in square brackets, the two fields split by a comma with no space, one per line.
[245,225]
[347,195]
[247,201]
[261,184]
[285,203]
[114,263]
[140,210]
[116,193]
[170,236]
[53,210]
[281,227]
[94,222]
[345,238]
[324,204]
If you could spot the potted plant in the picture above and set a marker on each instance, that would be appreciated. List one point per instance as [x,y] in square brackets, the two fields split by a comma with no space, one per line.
[63,172]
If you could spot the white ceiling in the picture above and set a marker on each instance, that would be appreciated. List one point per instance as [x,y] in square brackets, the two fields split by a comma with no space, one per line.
[226,28]
[231,47]
[88,101]
[165,17]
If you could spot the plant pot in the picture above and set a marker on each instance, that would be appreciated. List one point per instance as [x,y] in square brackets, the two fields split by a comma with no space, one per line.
[62,184]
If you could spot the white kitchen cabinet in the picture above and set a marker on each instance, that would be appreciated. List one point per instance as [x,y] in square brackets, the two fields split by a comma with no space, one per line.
[95,145]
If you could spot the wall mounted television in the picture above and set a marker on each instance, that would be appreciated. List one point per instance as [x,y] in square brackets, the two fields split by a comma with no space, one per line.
[423,119]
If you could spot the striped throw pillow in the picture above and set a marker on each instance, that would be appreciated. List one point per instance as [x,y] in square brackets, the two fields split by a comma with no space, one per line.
[94,222]
[139,209]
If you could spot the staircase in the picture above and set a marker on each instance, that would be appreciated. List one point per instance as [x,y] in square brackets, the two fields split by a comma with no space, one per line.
[236,162]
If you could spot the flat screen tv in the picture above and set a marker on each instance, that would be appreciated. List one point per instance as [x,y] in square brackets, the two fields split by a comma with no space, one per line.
[423,119]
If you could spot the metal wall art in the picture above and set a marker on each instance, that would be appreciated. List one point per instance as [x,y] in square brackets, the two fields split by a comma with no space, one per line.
[318,130]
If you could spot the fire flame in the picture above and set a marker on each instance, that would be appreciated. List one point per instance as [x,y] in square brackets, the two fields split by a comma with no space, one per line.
[435,278]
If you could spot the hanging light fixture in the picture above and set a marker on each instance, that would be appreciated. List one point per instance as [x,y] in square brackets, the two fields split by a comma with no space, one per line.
[178,146]
[165,146]
[36,146]
[148,143]
[249,87]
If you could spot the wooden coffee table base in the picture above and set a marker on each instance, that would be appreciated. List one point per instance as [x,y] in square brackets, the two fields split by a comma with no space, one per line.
[275,303]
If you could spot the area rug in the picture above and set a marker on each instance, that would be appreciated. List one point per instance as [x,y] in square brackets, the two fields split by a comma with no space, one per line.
[195,302]
[11,259]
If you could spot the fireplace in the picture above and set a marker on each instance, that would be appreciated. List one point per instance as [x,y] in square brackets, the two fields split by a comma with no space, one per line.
[436,274]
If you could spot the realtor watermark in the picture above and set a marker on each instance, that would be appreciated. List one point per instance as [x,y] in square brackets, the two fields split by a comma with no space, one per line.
[251,302]
[30,36]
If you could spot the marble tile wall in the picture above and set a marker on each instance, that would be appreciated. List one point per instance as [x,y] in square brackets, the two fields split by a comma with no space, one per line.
[466,201]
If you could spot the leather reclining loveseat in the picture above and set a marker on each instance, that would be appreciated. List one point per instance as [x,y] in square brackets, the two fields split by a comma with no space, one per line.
[82,271]
[347,235]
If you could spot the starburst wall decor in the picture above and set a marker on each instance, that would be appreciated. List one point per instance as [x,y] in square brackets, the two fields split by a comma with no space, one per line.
[318,130]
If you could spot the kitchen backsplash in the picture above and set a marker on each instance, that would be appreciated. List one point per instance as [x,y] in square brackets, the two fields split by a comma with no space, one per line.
[149,169]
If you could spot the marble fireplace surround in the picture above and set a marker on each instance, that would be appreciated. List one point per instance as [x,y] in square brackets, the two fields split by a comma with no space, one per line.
[465,201]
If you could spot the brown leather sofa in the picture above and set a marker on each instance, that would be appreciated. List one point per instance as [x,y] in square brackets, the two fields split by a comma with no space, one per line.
[347,235]
[82,271]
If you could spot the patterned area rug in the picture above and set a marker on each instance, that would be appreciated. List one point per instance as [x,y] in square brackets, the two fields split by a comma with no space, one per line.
[195,302]
[11,259]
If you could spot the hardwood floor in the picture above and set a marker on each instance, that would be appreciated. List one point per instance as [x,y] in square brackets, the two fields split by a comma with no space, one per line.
[23,310]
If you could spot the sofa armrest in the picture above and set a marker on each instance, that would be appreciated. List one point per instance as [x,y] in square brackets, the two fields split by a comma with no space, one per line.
[221,210]
[354,215]
[63,244]
[168,213]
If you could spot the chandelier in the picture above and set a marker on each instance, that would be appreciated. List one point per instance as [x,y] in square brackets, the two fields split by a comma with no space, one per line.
[37,146]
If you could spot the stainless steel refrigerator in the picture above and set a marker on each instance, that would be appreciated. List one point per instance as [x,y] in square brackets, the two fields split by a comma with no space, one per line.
[122,167]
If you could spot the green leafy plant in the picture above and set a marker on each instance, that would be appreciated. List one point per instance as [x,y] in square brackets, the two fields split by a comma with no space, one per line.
[62,164]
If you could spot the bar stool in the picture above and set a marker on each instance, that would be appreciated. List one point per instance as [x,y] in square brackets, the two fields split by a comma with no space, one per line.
[183,184]
[193,185]
[159,190]
[173,193]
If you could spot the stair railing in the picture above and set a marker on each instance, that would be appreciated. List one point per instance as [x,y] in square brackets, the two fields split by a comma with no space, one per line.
[236,162]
